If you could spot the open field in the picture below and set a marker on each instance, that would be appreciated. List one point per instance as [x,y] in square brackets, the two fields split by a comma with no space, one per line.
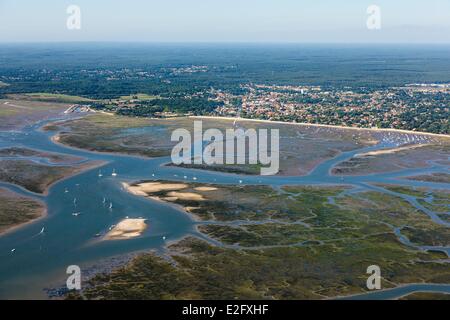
[16,112]
[297,242]
[151,137]
[138,97]
[53,97]
[426,296]
[16,210]
[437,150]
[302,147]
[37,177]
[435,177]
[108,133]
[19,152]
[202,271]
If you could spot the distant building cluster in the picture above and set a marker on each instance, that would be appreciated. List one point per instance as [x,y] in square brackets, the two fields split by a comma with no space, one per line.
[413,107]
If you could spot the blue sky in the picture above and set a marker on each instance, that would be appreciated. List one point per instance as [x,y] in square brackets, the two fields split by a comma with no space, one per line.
[412,21]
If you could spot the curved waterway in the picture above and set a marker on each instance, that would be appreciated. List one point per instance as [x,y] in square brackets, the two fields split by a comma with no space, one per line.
[40,260]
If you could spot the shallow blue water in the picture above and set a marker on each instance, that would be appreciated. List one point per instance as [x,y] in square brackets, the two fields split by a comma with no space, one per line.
[401,291]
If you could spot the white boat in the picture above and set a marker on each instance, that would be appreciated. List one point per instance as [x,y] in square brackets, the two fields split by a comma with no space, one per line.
[114,174]
[164,238]
[42,230]
[76,214]
[13,250]
[110,205]
[104,200]
[100,174]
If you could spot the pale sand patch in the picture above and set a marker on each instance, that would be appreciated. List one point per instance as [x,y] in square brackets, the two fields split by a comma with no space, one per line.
[186,196]
[56,138]
[171,199]
[389,151]
[143,189]
[126,229]
[205,189]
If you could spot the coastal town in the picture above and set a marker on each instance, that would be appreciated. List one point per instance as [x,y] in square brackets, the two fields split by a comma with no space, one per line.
[405,107]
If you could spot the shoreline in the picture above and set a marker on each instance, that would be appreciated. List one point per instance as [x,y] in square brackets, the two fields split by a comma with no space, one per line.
[127,229]
[324,126]
[178,207]
[55,140]
[90,165]
[398,287]
[43,213]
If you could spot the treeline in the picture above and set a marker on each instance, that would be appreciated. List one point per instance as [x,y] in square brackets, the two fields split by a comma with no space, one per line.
[196,106]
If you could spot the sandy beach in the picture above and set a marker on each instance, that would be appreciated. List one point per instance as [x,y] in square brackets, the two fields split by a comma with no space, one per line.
[205,189]
[389,151]
[145,188]
[127,229]
[40,211]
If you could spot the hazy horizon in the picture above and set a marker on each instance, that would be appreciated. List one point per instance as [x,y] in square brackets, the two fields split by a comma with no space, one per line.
[201,21]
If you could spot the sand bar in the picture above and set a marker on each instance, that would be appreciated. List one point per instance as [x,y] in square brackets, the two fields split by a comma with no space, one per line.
[145,188]
[390,151]
[186,196]
[127,229]
[205,189]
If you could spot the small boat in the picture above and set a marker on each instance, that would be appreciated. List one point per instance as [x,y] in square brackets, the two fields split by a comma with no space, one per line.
[13,250]
[110,205]
[114,174]
[112,227]
[76,214]
[240,181]
[104,200]
[164,238]
[97,235]
[194,178]
[66,191]
[42,231]
[100,174]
